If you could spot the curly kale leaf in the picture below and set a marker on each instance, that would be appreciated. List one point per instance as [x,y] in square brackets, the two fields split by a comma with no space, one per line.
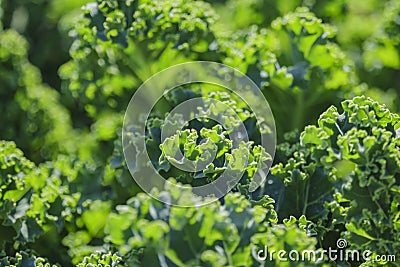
[352,159]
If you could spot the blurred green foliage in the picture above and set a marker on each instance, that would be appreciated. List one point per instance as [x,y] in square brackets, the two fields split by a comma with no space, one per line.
[45,25]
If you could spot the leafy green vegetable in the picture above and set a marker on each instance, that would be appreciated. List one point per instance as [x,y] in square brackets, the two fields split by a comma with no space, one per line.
[101,259]
[151,233]
[76,203]
[343,174]
[25,259]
